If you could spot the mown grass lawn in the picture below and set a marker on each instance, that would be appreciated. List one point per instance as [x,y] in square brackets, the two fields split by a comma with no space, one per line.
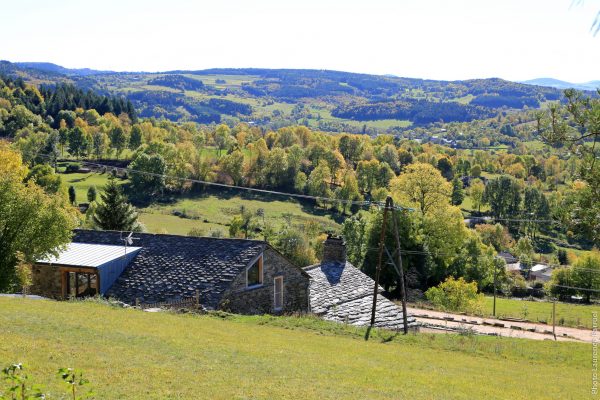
[129,354]
[572,315]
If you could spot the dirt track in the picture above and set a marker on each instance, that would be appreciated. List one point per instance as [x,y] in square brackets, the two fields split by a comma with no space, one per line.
[437,320]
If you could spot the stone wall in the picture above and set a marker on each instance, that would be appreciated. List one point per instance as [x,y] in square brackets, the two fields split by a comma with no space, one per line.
[46,281]
[259,300]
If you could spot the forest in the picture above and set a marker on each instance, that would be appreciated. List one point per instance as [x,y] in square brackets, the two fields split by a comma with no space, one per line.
[333,101]
[536,201]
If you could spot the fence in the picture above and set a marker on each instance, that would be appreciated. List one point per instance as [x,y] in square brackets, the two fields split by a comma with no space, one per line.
[187,302]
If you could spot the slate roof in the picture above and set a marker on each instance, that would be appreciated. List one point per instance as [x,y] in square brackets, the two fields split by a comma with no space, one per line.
[341,292]
[171,267]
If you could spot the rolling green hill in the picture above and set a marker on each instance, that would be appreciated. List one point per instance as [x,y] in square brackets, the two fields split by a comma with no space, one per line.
[326,100]
[129,354]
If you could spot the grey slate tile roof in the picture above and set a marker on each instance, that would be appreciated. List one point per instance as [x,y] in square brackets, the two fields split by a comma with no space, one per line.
[173,267]
[341,292]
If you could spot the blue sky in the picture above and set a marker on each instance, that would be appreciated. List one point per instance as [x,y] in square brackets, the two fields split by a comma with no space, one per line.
[436,39]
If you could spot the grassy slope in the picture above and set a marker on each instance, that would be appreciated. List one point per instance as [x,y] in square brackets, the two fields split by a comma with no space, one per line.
[130,354]
[217,208]
[569,314]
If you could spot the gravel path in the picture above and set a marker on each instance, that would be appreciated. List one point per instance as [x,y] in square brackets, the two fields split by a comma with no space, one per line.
[437,320]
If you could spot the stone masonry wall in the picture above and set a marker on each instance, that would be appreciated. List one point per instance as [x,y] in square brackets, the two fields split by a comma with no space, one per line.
[259,300]
[46,281]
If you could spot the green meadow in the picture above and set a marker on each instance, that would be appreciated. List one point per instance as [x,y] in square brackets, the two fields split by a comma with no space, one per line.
[130,354]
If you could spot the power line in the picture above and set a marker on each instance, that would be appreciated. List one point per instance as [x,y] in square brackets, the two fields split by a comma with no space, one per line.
[365,203]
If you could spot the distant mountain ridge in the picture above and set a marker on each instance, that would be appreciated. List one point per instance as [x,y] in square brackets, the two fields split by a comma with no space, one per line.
[51,67]
[557,83]
[333,101]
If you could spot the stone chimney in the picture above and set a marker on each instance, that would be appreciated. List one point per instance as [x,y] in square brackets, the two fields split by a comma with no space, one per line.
[334,249]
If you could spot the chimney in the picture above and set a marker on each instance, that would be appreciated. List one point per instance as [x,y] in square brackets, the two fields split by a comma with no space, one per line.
[334,249]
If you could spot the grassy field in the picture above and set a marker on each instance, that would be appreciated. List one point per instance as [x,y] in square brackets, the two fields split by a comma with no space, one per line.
[572,315]
[129,354]
[82,182]
[210,211]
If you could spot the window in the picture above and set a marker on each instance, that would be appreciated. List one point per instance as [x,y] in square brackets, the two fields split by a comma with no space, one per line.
[254,274]
[79,283]
[278,293]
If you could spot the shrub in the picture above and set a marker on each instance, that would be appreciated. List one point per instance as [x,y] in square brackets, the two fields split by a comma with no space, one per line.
[456,295]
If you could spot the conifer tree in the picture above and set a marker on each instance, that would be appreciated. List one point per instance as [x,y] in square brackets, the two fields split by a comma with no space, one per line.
[91,194]
[72,194]
[458,194]
[115,213]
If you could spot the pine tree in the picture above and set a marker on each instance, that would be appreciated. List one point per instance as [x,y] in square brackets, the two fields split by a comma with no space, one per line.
[91,194]
[115,213]
[458,194]
[72,195]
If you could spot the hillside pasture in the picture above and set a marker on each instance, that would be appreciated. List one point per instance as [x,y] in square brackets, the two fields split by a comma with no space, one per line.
[126,353]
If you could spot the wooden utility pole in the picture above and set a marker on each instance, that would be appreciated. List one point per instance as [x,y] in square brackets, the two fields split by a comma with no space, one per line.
[554,318]
[379,260]
[495,280]
[389,206]
[401,271]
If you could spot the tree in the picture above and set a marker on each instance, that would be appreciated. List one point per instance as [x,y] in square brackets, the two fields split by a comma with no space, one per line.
[539,210]
[223,138]
[295,247]
[114,212]
[504,197]
[91,194]
[476,171]
[100,143]
[458,194]
[575,128]
[586,274]
[389,155]
[495,235]
[32,221]
[150,178]
[446,168]
[348,192]
[44,176]
[366,174]
[276,167]
[72,194]
[351,147]
[78,141]
[421,185]
[233,166]
[476,192]
[118,140]
[456,295]
[318,182]
[354,231]
[135,138]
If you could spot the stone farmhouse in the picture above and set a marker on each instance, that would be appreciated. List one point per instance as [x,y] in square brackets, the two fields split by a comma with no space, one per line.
[237,275]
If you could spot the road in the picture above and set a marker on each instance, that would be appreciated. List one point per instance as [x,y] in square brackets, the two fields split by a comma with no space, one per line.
[437,320]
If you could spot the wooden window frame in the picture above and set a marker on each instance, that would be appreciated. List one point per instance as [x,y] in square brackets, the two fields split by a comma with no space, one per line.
[261,276]
[64,273]
[280,278]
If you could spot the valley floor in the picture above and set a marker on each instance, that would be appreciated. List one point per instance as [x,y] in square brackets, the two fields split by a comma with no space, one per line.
[130,354]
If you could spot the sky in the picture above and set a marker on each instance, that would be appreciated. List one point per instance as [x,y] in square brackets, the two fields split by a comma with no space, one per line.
[433,39]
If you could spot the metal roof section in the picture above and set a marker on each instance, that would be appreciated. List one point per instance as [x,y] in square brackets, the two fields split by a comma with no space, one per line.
[89,255]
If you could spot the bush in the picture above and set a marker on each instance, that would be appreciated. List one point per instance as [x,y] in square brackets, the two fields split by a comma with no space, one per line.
[456,295]
[72,168]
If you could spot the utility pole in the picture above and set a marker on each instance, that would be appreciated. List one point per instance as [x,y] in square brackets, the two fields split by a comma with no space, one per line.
[379,260]
[401,272]
[554,317]
[495,280]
